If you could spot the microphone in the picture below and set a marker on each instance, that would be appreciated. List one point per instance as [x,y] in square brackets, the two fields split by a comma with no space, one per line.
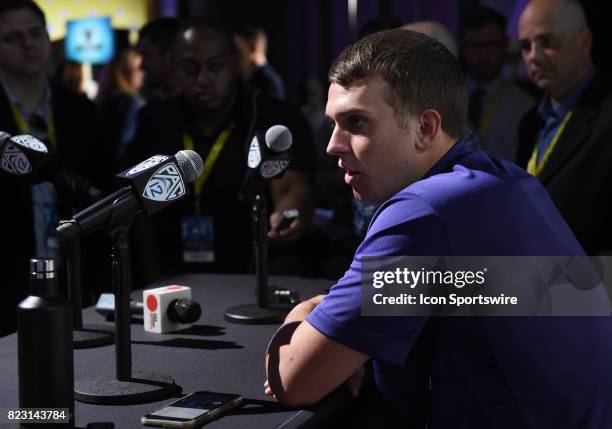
[28,157]
[22,155]
[269,152]
[169,308]
[151,186]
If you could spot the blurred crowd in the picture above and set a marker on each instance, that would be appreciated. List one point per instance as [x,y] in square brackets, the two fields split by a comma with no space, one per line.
[206,85]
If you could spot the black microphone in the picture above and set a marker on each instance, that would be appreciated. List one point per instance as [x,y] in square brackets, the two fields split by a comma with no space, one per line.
[269,156]
[30,159]
[22,155]
[269,152]
[151,186]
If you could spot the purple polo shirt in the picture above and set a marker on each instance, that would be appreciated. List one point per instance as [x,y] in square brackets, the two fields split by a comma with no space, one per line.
[537,372]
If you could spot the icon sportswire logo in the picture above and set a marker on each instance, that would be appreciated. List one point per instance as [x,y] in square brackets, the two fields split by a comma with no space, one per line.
[165,185]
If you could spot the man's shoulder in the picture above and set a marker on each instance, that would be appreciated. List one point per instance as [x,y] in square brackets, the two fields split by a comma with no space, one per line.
[475,189]
[406,205]
[597,95]
[405,224]
[475,174]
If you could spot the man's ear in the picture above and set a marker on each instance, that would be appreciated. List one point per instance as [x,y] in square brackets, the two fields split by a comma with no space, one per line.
[428,127]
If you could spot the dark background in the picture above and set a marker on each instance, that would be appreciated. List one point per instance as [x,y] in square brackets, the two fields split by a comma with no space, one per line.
[306,35]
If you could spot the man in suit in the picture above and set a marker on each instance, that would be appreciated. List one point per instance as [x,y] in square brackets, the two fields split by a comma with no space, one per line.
[565,140]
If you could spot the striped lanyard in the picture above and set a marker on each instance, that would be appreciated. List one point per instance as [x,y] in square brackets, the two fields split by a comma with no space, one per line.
[24,127]
[214,153]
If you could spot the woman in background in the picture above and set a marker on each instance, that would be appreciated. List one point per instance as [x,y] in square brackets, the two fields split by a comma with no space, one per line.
[118,102]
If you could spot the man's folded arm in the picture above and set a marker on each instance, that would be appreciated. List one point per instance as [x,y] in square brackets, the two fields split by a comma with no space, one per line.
[303,365]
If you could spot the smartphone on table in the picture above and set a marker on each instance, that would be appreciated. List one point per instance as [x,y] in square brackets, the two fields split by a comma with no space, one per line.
[193,410]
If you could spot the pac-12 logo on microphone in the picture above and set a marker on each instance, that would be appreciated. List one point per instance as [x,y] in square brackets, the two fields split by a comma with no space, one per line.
[271,169]
[254,157]
[30,143]
[14,161]
[147,163]
[165,185]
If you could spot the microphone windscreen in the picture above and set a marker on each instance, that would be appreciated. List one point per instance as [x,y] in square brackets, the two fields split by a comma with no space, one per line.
[190,163]
[278,138]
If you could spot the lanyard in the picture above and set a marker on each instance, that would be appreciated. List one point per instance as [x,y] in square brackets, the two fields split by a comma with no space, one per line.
[536,168]
[209,163]
[487,117]
[25,128]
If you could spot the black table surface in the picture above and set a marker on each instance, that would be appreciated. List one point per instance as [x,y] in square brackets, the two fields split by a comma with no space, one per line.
[212,355]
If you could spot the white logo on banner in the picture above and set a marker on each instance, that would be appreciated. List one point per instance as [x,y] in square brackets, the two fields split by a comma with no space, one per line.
[270,169]
[165,185]
[14,160]
[254,157]
[147,163]
[30,143]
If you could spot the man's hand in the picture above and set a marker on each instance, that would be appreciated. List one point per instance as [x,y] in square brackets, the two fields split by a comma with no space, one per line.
[292,191]
[286,235]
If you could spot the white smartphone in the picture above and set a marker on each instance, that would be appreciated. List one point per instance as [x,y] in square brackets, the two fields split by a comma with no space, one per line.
[193,410]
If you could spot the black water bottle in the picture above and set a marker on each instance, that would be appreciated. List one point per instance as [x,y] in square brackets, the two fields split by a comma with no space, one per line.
[44,335]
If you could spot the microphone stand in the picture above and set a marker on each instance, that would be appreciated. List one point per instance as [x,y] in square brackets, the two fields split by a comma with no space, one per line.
[125,387]
[262,312]
[83,336]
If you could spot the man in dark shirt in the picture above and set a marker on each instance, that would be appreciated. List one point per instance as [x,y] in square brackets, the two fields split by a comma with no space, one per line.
[216,116]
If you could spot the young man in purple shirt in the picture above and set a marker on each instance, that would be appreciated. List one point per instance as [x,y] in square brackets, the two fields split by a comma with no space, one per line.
[397,103]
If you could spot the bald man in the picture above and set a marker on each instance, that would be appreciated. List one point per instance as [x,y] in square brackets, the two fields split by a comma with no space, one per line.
[566,140]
